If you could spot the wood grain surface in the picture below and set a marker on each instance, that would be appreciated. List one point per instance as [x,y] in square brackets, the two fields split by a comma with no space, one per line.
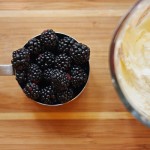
[97,119]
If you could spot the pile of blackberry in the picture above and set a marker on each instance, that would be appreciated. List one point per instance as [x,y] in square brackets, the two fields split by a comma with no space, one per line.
[52,68]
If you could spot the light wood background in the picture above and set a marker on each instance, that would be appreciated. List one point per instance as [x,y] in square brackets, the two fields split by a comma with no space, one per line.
[97,120]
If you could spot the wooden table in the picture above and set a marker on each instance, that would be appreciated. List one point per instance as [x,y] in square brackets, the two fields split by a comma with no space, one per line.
[97,120]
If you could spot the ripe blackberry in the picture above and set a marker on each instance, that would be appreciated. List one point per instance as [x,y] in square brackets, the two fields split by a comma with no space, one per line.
[65,96]
[78,77]
[45,60]
[32,90]
[62,62]
[21,76]
[34,73]
[47,74]
[65,44]
[49,39]
[85,67]
[47,95]
[59,80]
[21,59]
[34,46]
[79,53]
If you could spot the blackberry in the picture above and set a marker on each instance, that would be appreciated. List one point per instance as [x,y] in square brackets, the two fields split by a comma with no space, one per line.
[59,80]
[34,73]
[32,91]
[47,74]
[47,95]
[79,53]
[49,39]
[78,76]
[21,76]
[62,62]
[45,60]
[85,67]
[34,46]
[65,96]
[65,44]
[21,59]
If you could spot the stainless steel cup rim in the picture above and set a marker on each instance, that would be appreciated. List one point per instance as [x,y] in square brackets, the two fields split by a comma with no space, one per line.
[115,81]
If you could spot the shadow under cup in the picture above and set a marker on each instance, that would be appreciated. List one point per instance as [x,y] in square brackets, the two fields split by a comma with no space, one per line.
[130,61]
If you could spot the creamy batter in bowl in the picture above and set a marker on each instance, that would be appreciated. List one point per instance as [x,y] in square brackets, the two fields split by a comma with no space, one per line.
[130,60]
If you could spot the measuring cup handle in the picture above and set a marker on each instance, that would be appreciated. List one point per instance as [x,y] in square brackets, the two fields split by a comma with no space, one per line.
[6,70]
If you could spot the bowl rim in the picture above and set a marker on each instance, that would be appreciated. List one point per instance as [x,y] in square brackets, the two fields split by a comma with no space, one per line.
[115,81]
